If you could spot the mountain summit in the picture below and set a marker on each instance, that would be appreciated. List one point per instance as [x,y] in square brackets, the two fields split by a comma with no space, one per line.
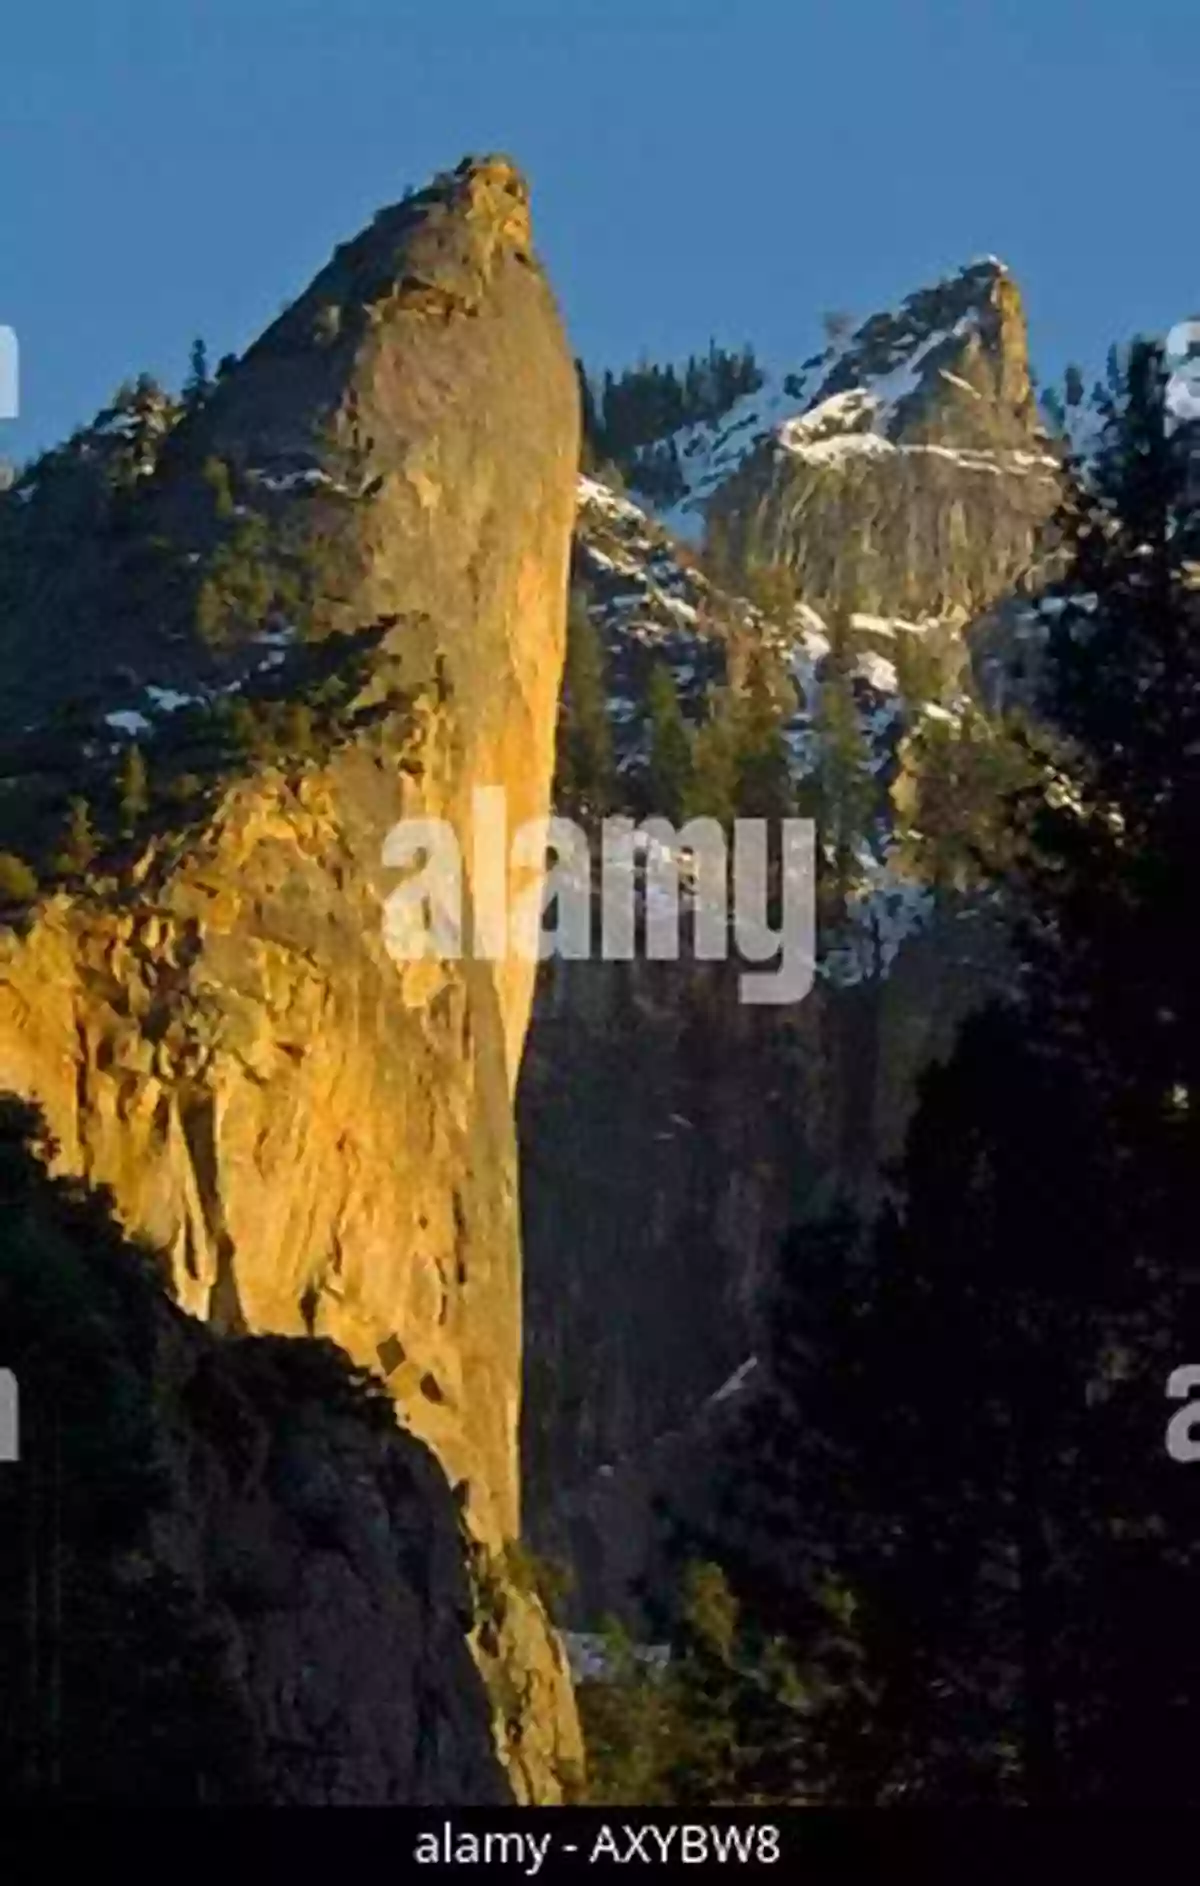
[916,477]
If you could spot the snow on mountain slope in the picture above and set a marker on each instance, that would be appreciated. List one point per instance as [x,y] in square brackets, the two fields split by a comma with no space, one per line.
[928,409]
[904,477]
[710,452]
[650,601]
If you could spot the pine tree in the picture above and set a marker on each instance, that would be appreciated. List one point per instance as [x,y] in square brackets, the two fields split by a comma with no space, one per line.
[130,432]
[955,792]
[847,790]
[791,1502]
[589,419]
[18,881]
[586,770]
[727,1722]
[670,757]
[764,784]
[297,731]
[211,613]
[714,775]
[79,843]
[133,789]
[198,384]
[244,730]
[215,473]
[771,587]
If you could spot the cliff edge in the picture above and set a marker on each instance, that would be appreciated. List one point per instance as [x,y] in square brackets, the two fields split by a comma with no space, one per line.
[373,508]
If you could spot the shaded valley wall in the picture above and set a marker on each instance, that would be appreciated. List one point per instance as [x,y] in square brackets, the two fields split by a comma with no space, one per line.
[669,1135]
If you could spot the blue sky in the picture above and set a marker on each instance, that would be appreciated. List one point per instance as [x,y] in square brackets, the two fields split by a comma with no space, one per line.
[175,167]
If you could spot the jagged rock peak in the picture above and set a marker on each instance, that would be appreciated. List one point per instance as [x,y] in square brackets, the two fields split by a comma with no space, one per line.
[970,325]
[912,476]
[458,247]
[947,364]
[418,241]
[434,237]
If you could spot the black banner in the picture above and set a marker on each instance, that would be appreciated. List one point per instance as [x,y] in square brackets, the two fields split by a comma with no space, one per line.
[548,1844]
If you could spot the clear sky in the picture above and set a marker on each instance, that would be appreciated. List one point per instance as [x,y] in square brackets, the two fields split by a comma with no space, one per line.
[179,167]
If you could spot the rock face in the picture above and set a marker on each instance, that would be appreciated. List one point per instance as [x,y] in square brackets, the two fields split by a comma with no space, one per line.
[670,1137]
[319,1134]
[915,480]
[325,1556]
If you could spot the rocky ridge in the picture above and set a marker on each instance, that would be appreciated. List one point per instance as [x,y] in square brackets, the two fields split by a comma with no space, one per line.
[880,468]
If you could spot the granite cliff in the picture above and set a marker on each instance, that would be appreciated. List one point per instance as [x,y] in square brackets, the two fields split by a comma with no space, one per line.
[916,477]
[374,503]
